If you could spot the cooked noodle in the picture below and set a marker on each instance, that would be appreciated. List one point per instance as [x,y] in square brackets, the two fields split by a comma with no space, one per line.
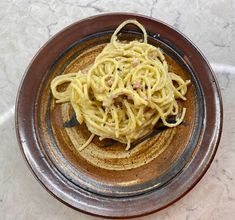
[126,91]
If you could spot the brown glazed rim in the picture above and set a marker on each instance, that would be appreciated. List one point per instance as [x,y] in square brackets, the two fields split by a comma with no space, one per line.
[99,205]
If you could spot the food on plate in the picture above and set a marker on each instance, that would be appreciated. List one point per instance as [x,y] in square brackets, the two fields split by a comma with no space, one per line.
[126,91]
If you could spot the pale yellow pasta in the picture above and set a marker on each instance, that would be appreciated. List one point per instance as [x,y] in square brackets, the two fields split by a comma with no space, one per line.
[126,91]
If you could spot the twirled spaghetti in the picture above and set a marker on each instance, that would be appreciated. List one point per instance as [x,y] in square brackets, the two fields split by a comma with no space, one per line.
[126,91]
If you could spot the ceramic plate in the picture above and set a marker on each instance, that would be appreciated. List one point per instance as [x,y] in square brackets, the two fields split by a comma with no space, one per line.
[104,179]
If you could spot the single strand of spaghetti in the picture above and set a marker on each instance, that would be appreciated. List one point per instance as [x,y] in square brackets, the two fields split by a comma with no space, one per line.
[178,94]
[163,118]
[148,88]
[115,83]
[86,143]
[140,112]
[178,120]
[59,80]
[183,87]
[114,36]
[180,82]
[131,115]
[175,109]
[115,116]
[135,112]
[85,92]
[167,109]
[155,120]
[79,115]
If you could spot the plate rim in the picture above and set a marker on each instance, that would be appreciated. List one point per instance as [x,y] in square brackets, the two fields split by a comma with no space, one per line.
[22,142]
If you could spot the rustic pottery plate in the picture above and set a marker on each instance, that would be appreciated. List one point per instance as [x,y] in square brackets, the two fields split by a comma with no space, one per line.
[104,179]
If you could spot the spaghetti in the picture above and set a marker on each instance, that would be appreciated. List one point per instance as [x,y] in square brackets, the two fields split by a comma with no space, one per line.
[126,91]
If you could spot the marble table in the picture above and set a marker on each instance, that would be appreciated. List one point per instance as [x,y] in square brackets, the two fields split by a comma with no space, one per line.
[25,25]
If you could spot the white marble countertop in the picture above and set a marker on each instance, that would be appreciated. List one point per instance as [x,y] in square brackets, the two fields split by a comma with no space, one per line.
[25,25]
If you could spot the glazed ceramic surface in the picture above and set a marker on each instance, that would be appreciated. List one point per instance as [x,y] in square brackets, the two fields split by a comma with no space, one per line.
[117,183]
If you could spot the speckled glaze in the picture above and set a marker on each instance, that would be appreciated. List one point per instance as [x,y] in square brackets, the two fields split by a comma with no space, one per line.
[132,183]
[112,170]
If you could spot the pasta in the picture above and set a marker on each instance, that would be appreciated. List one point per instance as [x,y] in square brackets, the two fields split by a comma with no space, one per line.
[126,91]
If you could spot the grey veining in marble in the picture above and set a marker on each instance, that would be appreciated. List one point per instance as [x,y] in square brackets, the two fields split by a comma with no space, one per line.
[26,25]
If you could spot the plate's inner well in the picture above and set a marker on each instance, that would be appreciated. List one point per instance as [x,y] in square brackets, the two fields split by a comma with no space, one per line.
[104,167]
